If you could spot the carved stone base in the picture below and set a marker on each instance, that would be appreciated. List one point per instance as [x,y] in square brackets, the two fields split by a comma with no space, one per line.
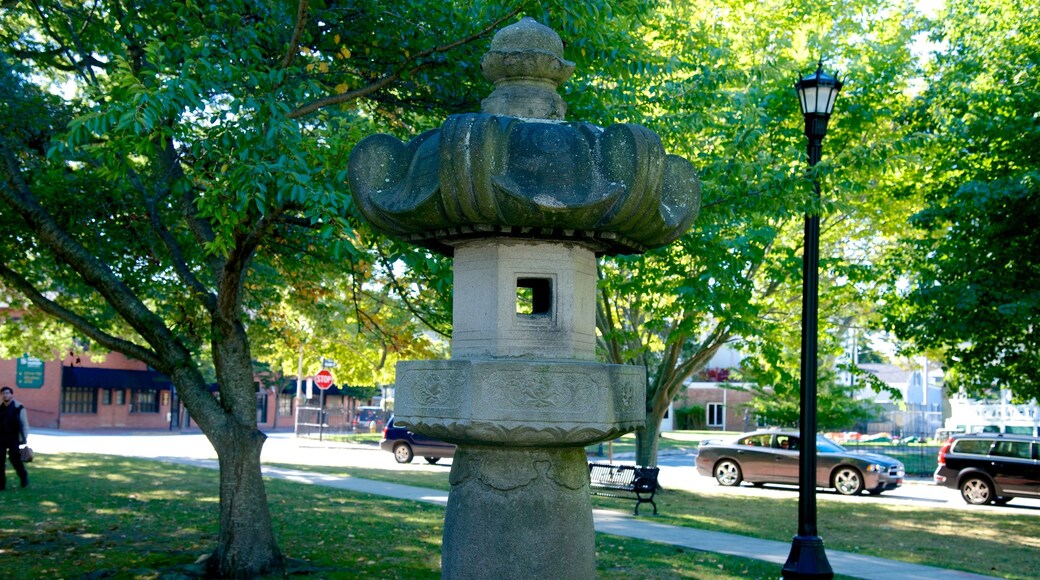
[520,403]
[519,513]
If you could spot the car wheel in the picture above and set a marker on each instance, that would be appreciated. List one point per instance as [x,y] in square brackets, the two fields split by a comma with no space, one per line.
[403,453]
[976,491]
[848,481]
[728,473]
[432,460]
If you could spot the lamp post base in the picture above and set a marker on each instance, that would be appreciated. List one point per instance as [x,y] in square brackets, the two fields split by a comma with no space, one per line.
[807,560]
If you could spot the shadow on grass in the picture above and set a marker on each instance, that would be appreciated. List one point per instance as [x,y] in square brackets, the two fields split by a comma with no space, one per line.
[96,516]
[957,539]
[968,540]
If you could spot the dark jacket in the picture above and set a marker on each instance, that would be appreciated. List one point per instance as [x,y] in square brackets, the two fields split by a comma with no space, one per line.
[14,425]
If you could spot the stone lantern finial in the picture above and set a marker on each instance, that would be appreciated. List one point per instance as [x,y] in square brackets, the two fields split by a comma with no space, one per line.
[526,64]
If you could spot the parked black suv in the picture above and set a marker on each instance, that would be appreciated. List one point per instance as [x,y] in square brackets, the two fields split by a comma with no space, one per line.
[405,445]
[990,467]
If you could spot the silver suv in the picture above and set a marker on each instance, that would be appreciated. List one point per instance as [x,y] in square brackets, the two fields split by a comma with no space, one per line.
[990,467]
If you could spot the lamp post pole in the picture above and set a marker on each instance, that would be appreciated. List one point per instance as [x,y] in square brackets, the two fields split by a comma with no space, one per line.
[808,559]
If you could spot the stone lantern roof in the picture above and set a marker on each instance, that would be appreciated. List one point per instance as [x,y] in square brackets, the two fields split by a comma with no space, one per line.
[517,169]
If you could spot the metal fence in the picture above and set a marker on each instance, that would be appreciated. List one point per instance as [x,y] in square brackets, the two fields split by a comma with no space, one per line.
[316,423]
[919,460]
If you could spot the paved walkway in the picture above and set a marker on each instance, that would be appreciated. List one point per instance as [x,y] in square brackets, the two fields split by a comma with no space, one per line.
[608,522]
[623,524]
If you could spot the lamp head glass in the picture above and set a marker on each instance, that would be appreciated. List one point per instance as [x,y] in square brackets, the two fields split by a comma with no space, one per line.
[817,92]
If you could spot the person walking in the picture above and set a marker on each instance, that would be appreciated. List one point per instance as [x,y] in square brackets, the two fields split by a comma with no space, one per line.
[14,432]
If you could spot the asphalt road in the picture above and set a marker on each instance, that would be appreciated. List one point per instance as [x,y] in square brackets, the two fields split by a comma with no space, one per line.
[677,471]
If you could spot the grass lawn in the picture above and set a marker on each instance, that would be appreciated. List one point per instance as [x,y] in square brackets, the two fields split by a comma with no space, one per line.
[96,516]
[360,438]
[991,542]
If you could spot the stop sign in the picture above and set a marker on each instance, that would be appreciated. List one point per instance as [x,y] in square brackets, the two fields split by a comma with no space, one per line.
[323,379]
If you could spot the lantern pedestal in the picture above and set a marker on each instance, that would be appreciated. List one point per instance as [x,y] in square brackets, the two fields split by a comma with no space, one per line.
[519,504]
[519,513]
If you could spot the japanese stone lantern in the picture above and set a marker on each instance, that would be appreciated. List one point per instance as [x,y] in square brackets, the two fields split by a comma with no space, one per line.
[524,202]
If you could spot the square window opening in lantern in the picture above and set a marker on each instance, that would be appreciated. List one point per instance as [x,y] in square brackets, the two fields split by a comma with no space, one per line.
[533,297]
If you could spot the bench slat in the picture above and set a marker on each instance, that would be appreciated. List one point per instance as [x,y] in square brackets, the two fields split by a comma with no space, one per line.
[624,481]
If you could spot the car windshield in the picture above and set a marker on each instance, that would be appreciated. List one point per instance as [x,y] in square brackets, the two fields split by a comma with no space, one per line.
[825,445]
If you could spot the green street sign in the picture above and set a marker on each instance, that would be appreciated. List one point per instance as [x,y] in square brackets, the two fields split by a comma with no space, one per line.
[29,372]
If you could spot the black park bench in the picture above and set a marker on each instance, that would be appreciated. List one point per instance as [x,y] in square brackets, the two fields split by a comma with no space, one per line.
[624,481]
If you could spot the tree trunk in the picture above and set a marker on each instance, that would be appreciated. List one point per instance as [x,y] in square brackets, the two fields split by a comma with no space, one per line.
[647,439]
[246,546]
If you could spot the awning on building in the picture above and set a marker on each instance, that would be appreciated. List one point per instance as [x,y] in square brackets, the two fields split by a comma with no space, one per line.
[114,378]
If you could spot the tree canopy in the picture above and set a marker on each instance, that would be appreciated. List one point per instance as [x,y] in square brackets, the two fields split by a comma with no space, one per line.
[965,280]
[725,100]
[172,186]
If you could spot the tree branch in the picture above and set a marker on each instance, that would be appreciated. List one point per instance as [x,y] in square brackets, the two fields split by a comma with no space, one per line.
[88,76]
[607,325]
[169,173]
[301,20]
[707,349]
[405,66]
[347,96]
[297,221]
[665,372]
[151,203]
[16,193]
[81,324]
[200,230]
[404,295]
[232,276]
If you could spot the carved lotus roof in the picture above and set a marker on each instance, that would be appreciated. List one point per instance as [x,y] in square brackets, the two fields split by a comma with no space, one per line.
[518,170]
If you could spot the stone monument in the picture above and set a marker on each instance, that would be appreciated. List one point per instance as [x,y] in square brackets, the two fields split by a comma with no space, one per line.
[524,202]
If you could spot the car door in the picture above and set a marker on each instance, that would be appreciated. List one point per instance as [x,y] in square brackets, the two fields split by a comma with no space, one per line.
[1034,475]
[754,454]
[1014,467]
[428,446]
[785,465]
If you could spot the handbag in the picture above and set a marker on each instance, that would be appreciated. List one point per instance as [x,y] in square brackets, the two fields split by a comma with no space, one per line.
[27,454]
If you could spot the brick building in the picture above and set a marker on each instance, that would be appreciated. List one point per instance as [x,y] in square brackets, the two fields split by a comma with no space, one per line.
[723,406]
[76,393]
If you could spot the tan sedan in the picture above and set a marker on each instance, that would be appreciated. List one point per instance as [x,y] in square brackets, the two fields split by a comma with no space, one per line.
[772,457]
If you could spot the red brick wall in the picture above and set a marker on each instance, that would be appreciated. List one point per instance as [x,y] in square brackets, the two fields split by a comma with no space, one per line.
[41,404]
[734,398]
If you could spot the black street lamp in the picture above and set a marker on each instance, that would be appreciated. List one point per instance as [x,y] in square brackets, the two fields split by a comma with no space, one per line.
[808,559]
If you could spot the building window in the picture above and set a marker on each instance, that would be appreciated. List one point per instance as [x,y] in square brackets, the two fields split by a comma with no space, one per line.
[79,400]
[285,404]
[145,401]
[261,407]
[119,397]
[106,396]
[716,414]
